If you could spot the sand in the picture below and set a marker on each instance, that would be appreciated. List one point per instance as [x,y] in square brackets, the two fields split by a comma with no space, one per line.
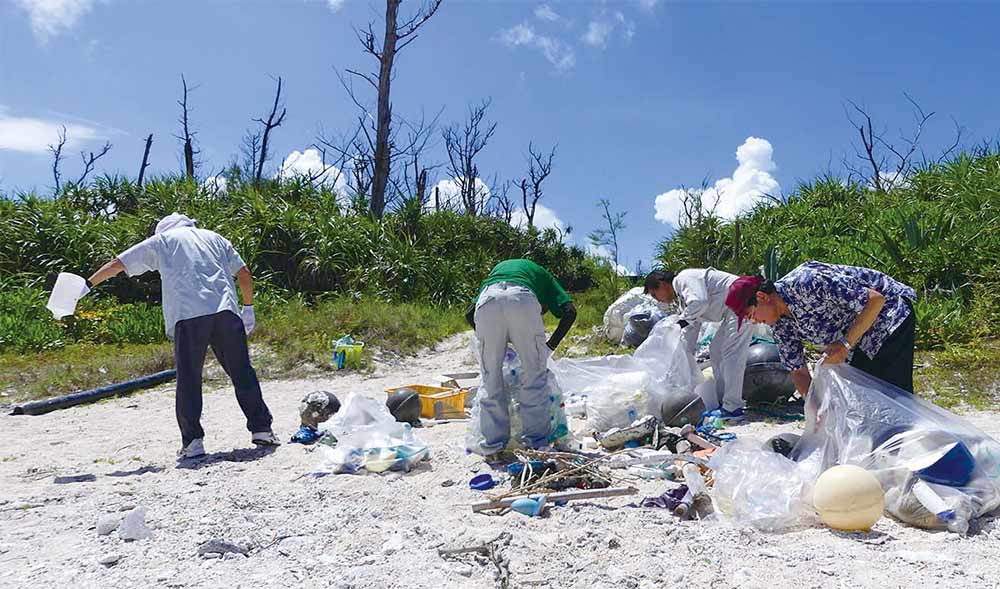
[63,472]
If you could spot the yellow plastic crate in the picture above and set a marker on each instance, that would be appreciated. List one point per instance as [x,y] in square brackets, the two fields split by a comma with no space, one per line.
[454,399]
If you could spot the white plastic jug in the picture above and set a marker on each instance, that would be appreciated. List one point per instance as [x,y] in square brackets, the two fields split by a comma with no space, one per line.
[69,289]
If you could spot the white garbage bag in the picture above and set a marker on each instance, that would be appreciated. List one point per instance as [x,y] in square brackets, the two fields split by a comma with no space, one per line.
[368,436]
[760,488]
[937,470]
[614,316]
[619,389]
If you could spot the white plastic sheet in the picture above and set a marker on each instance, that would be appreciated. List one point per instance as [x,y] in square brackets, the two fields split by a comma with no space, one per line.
[760,488]
[619,389]
[368,436]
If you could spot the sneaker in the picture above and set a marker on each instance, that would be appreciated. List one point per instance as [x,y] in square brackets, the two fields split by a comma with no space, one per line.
[265,439]
[725,416]
[195,449]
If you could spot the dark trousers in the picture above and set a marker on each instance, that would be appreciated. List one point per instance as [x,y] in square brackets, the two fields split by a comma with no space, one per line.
[894,361]
[225,334]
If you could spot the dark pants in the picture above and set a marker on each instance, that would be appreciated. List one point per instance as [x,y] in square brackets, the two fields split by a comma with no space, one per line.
[224,332]
[894,361]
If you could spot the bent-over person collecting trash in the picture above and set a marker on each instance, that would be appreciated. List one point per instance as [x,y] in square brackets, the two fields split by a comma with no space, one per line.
[702,293]
[509,309]
[860,315]
[196,267]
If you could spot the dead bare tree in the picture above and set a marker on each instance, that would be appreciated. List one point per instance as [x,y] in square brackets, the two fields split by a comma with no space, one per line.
[887,163]
[505,206]
[416,172]
[187,136]
[396,37]
[89,160]
[57,157]
[274,120]
[539,168]
[463,144]
[250,149]
[145,161]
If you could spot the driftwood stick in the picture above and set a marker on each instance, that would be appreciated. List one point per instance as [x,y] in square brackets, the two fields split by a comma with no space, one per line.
[564,496]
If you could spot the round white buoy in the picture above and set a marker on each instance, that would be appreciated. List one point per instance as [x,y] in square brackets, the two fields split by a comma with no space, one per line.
[848,498]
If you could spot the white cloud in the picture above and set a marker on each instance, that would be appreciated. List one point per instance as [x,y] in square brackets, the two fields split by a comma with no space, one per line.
[731,196]
[335,5]
[449,193]
[545,218]
[648,5]
[600,29]
[33,135]
[545,12]
[309,163]
[49,18]
[669,206]
[557,53]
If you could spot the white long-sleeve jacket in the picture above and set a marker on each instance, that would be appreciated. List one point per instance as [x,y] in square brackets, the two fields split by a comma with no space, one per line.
[702,293]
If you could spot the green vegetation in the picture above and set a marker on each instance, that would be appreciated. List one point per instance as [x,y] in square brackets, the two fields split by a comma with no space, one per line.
[323,270]
[939,232]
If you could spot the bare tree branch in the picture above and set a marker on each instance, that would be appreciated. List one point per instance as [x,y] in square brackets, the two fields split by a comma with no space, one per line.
[145,161]
[382,146]
[959,131]
[57,157]
[273,121]
[539,168]
[878,151]
[89,160]
[187,136]
[463,144]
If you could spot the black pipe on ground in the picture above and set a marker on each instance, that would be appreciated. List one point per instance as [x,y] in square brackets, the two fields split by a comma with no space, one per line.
[47,405]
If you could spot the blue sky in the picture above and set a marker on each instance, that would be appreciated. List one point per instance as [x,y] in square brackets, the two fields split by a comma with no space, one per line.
[640,97]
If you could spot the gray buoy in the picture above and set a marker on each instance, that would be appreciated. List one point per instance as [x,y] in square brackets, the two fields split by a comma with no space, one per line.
[405,406]
[317,407]
[681,409]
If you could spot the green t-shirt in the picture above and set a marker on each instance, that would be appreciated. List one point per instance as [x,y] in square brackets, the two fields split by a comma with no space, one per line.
[547,290]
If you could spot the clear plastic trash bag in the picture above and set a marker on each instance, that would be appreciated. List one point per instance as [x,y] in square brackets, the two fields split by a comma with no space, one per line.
[369,436]
[615,315]
[937,470]
[639,323]
[559,434]
[759,488]
[619,389]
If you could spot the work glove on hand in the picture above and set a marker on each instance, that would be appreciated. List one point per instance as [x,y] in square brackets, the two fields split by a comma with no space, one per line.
[248,317]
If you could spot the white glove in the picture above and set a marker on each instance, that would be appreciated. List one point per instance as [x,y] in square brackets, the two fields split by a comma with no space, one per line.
[248,317]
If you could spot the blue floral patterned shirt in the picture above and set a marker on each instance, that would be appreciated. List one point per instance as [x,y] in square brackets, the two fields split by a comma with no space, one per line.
[825,299]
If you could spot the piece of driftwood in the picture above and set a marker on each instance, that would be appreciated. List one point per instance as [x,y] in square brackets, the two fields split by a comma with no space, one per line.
[554,497]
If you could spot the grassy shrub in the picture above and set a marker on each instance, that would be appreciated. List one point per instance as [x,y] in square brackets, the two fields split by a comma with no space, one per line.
[294,236]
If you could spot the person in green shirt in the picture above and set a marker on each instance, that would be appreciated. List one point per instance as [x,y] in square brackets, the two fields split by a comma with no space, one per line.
[509,309]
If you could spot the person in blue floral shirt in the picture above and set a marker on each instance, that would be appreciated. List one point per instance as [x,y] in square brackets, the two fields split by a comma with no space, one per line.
[859,315]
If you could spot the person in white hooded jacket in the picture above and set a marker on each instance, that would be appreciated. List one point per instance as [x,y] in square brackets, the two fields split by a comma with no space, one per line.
[702,293]
[200,311]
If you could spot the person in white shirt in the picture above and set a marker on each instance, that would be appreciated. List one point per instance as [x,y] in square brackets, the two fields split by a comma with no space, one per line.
[702,294]
[200,310]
